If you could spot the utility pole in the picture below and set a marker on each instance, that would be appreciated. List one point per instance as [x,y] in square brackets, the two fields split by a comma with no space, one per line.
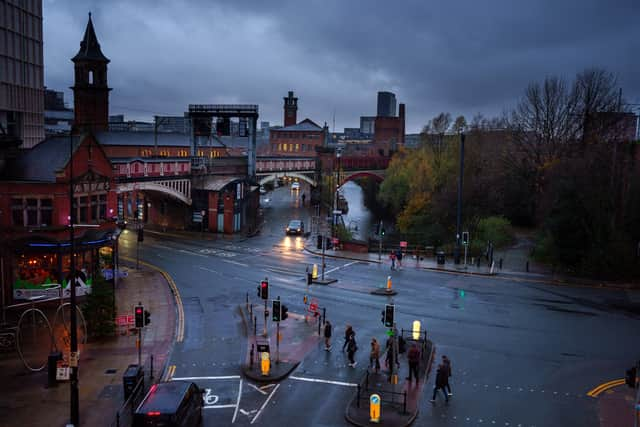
[456,253]
[380,241]
[73,351]
[324,245]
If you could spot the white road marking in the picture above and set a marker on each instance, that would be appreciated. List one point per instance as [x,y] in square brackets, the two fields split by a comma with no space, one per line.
[208,269]
[219,407]
[342,266]
[264,387]
[210,399]
[317,380]
[265,404]
[248,413]
[257,388]
[223,377]
[235,413]
[235,262]
[192,253]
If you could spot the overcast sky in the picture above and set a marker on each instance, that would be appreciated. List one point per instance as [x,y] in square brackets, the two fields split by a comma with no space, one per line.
[464,57]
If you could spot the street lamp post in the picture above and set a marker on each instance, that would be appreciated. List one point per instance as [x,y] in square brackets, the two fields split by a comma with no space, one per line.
[73,361]
[456,254]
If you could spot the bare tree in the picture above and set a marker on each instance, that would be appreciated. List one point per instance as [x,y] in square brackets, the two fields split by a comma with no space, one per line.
[459,125]
[440,123]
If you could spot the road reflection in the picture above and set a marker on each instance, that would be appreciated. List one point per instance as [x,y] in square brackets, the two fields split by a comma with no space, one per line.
[292,242]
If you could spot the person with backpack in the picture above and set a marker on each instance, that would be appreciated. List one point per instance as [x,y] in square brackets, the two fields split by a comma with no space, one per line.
[327,336]
[352,347]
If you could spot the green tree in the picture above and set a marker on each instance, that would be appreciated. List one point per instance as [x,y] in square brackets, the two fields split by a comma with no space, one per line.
[98,309]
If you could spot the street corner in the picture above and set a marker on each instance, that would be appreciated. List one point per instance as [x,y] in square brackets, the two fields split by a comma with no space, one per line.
[616,406]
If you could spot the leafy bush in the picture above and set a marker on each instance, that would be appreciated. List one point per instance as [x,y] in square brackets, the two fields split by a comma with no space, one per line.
[495,229]
[98,309]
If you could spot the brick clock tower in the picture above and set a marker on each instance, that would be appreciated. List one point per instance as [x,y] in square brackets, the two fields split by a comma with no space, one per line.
[90,90]
[290,110]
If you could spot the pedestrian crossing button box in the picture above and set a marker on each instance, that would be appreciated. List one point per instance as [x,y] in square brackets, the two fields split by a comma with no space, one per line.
[263,348]
[130,379]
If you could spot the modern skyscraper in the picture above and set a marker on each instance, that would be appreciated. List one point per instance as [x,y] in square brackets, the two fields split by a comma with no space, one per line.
[21,73]
[386,104]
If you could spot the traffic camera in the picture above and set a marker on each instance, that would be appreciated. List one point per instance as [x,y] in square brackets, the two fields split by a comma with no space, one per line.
[138,312]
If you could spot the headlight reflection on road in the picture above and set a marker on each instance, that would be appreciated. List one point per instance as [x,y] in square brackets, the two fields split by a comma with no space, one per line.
[299,243]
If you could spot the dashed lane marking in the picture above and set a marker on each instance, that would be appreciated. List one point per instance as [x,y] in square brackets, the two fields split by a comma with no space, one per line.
[241,264]
[342,266]
[192,253]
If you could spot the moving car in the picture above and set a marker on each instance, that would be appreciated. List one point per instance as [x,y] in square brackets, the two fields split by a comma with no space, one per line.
[170,404]
[295,227]
[295,185]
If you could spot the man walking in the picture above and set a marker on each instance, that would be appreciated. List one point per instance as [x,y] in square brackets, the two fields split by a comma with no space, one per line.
[399,257]
[327,336]
[446,362]
[414,362]
[374,356]
[352,347]
[392,257]
[441,380]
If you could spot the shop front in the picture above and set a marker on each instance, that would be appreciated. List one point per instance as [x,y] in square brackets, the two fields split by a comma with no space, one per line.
[36,266]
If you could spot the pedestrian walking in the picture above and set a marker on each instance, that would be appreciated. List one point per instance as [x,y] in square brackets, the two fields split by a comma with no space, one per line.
[441,380]
[352,347]
[347,333]
[414,362]
[327,336]
[447,365]
[374,356]
[399,257]
[392,355]
[392,257]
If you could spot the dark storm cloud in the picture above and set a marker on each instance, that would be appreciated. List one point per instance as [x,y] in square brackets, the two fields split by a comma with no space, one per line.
[462,57]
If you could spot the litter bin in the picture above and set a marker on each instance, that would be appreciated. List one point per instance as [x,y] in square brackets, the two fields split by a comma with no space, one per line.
[440,258]
[52,366]
[130,378]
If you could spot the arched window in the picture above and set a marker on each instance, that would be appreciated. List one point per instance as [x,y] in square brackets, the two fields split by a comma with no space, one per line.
[90,77]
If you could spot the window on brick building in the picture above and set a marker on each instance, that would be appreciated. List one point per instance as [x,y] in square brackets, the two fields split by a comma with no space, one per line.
[297,147]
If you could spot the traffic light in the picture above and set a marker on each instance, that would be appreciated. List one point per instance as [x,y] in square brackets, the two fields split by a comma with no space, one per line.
[465,237]
[276,310]
[285,312]
[377,229]
[389,310]
[147,317]
[263,289]
[382,231]
[630,377]
[139,316]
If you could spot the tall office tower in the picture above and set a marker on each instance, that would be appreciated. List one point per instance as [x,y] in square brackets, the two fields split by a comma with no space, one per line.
[386,104]
[21,74]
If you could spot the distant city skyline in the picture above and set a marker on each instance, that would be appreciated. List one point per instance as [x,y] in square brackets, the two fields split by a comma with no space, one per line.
[337,56]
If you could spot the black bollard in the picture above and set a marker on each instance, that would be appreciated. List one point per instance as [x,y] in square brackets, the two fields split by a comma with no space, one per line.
[500,264]
[527,266]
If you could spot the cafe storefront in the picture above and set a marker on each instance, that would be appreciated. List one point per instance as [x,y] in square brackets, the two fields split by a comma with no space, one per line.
[39,265]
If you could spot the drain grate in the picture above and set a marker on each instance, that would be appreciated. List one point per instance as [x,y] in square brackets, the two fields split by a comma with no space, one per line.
[110,371]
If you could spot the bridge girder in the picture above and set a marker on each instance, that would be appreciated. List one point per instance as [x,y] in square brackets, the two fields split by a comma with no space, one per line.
[153,186]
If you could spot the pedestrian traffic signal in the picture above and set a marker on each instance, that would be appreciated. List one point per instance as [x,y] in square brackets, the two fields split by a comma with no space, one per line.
[263,289]
[147,317]
[276,310]
[139,316]
[389,311]
[465,237]
[285,312]
[382,231]
[630,377]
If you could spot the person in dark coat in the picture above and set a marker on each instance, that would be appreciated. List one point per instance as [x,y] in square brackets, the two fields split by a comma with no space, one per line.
[414,361]
[446,362]
[327,336]
[347,333]
[441,381]
[352,347]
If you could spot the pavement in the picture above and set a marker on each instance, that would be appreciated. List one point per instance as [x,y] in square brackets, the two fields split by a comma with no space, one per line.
[399,403]
[26,400]
[298,336]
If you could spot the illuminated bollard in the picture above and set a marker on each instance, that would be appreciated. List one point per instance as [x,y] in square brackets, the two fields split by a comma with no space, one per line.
[314,273]
[265,363]
[388,283]
[374,408]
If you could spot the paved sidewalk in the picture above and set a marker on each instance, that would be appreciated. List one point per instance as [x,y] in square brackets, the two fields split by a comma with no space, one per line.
[297,338]
[25,399]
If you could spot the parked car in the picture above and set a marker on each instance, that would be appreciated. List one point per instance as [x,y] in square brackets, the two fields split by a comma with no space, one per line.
[170,404]
[295,227]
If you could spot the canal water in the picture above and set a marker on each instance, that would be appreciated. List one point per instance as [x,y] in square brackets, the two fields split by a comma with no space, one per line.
[359,219]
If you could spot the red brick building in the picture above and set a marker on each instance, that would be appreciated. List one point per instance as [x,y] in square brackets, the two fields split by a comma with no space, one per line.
[389,132]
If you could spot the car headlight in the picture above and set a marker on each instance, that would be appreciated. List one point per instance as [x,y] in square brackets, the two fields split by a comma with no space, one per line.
[287,228]
[298,229]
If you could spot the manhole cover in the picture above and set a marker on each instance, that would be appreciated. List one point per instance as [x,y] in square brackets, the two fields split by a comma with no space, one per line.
[110,371]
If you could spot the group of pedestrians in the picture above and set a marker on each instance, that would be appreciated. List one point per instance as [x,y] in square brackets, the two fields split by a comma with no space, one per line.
[396,256]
